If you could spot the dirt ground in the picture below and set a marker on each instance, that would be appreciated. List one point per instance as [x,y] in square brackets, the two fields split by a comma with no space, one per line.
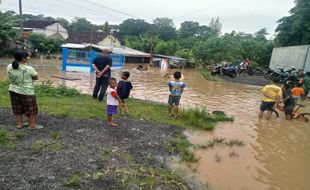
[80,148]
[251,80]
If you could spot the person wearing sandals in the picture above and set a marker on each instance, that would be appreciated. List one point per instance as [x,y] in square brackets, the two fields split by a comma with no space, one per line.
[21,89]
[176,88]
[113,100]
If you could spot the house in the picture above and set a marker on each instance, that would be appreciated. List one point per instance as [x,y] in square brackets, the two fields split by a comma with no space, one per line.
[173,61]
[50,29]
[102,40]
[99,38]
[131,55]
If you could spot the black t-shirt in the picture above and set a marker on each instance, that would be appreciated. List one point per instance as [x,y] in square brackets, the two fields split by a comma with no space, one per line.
[101,62]
[290,101]
[123,89]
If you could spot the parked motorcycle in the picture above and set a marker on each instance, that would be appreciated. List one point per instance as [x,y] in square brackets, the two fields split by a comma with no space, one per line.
[228,71]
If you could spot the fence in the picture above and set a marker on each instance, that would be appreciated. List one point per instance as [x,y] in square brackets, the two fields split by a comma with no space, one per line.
[79,60]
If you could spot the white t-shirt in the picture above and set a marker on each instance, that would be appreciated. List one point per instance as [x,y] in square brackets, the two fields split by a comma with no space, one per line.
[112,101]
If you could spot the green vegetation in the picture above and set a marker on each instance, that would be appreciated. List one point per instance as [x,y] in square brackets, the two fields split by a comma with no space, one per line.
[220,142]
[73,181]
[43,146]
[85,107]
[56,135]
[44,44]
[141,177]
[295,29]
[181,145]
[8,138]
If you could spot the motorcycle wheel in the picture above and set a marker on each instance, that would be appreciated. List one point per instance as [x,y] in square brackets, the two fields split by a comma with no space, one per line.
[213,73]
[251,72]
[233,75]
[267,76]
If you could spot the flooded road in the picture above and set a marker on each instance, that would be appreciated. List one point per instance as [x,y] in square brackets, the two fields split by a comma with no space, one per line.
[276,154]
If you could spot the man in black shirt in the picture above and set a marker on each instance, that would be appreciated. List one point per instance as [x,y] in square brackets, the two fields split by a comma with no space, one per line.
[102,66]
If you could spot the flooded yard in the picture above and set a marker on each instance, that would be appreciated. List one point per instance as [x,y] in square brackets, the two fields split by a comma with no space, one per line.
[275,155]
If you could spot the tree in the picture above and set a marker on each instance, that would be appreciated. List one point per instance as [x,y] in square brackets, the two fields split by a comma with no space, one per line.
[216,26]
[133,27]
[166,47]
[44,44]
[188,29]
[80,25]
[7,33]
[295,29]
[165,28]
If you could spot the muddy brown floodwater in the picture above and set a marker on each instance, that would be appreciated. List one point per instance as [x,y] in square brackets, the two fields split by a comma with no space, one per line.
[276,154]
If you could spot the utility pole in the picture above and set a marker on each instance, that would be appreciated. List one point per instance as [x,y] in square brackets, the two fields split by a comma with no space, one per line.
[21,16]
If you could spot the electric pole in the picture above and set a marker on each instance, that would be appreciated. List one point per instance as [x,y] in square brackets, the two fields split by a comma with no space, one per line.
[21,17]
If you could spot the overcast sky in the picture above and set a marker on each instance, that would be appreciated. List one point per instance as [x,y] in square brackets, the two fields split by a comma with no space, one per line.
[240,15]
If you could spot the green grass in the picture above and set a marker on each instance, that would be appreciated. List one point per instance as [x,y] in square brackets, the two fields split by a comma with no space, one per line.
[8,138]
[56,134]
[74,180]
[67,102]
[220,142]
[142,177]
[43,146]
[181,145]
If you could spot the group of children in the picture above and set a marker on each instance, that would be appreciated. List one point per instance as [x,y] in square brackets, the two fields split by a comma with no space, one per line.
[117,93]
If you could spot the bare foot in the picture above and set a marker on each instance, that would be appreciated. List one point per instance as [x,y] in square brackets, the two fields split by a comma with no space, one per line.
[113,124]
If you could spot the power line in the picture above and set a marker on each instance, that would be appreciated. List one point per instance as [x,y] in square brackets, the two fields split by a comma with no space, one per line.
[204,9]
[111,9]
[105,14]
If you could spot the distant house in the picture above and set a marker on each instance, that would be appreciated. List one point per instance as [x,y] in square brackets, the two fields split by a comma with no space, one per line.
[99,38]
[50,29]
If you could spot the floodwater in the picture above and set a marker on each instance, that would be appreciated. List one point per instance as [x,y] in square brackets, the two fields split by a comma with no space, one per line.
[276,154]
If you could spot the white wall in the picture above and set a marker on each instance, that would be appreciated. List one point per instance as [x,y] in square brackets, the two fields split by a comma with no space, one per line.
[286,57]
[54,28]
[110,40]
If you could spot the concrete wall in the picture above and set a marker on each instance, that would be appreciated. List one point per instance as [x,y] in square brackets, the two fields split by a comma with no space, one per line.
[286,57]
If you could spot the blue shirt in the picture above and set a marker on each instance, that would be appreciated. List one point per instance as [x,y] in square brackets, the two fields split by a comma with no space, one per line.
[176,88]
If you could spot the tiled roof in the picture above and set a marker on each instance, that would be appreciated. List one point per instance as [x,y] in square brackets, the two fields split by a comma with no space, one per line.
[85,37]
[37,23]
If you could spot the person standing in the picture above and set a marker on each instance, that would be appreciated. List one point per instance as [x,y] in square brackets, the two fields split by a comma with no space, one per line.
[176,89]
[23,99]
[272,94]
[307,84]
[102,66]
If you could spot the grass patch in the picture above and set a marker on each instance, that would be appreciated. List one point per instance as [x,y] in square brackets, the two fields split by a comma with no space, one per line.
[234,142]
[56,134]
[43,146]
[8,138]
[60,101]
[207,75]
[181,145]
[220,142]
[74,180]
[138,176]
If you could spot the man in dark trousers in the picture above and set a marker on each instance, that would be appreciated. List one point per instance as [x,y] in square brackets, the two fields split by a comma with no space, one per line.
[102,66]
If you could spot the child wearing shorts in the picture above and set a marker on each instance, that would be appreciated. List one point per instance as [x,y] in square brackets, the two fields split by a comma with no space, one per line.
[113,101]
[176,88]
[123,90]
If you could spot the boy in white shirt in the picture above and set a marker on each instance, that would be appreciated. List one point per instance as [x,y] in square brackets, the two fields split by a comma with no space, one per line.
[113,101]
